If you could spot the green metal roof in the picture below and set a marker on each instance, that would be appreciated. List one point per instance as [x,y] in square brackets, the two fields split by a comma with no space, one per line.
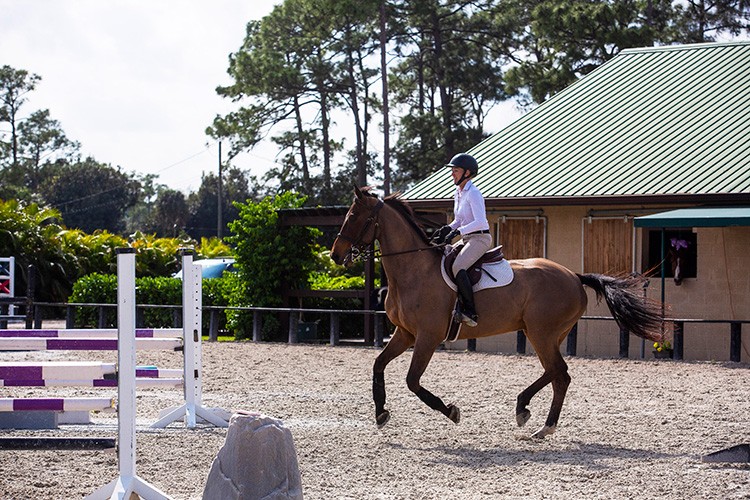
[697,217]
[654,121]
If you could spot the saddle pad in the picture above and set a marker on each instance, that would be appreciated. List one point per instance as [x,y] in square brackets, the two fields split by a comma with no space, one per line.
[501,271]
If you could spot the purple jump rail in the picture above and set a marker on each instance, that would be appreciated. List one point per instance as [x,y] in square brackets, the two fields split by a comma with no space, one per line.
[75,370]
[103,382]
[56,404]
[83,344]
[88,332]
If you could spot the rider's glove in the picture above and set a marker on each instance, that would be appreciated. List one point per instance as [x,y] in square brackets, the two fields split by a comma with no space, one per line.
[444,235]
[438,237]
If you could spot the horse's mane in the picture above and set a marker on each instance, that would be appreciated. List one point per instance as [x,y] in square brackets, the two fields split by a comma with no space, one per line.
[394,201]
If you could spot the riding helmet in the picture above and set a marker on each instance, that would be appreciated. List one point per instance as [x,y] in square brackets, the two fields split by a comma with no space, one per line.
[465,161]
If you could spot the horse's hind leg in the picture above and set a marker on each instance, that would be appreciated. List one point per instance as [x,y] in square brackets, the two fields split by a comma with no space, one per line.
[555,372]
[423,351]
[524,398]
[400,342]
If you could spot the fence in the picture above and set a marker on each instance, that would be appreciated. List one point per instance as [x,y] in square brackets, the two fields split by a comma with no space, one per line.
[295,327]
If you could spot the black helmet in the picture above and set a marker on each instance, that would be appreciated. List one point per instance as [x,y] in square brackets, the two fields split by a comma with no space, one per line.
[465,161]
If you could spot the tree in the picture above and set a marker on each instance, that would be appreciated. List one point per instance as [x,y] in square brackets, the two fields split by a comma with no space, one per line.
[170,213]
[203,204]
[91,195]
[701,21]
[447,79]
[14,85]
[42,145]
[31,146]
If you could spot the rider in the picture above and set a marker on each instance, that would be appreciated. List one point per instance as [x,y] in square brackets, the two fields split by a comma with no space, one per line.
[470,221]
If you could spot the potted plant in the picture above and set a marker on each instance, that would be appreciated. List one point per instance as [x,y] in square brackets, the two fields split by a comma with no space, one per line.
[663,350]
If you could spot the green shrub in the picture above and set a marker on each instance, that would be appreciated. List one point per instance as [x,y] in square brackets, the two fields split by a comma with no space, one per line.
[102,289]
[269,258]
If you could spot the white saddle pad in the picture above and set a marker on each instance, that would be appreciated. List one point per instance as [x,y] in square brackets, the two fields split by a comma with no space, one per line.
[500,271]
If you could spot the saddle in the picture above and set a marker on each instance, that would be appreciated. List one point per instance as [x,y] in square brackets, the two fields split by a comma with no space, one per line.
[492,255]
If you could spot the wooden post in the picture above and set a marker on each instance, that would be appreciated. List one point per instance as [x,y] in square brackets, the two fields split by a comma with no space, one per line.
[735,341]
[572,345]
[70,316]
[102,321]
[678,340]
[624,342]
[293,329]
[379,330]
[335,329]
[257,326]
[213,325]
[520,342]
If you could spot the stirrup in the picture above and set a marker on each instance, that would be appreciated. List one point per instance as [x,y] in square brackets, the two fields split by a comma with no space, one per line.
[461,317]
[468,320]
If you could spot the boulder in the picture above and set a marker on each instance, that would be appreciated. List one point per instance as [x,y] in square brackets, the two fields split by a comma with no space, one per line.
[257,460]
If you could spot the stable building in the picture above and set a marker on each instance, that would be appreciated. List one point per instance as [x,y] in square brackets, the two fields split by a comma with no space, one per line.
[595,178]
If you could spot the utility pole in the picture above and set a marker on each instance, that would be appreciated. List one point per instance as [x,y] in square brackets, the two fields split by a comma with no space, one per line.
[220,198]
[386,124]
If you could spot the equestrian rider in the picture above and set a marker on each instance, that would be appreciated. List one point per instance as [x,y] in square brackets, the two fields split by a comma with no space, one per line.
[470,221]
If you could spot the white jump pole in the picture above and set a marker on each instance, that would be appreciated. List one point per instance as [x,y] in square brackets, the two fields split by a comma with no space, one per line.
[192,303]
[127,483]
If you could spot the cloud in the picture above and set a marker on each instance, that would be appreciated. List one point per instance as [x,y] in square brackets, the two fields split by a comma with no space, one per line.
[132,80]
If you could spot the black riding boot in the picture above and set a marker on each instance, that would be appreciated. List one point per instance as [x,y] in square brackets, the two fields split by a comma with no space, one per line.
[466,298]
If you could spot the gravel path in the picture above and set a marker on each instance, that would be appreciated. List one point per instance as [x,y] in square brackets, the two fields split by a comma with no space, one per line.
[629,429]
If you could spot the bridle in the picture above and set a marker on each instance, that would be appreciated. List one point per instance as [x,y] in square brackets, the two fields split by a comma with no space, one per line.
[360,249]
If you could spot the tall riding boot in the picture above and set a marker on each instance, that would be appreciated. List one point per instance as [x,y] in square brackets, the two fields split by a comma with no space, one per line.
[466,298]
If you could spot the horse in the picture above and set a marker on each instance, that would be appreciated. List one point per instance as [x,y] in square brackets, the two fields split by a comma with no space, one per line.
[544,299]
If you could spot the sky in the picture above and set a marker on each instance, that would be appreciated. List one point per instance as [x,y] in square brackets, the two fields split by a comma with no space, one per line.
[133,81]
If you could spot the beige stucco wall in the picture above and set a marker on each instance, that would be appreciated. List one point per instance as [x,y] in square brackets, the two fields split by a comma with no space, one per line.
[721,290]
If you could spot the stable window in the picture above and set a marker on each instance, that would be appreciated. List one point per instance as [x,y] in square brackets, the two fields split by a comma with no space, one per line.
[522,237]
[608,245]
[680,249]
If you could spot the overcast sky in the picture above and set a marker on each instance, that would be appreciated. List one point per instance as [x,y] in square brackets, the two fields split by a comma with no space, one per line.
[132,80]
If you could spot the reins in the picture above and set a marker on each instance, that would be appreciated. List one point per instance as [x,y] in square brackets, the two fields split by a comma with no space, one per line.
[358,251]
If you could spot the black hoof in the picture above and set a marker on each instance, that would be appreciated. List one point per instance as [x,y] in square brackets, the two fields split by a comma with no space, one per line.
[523,417]
[455,413]
[383,418]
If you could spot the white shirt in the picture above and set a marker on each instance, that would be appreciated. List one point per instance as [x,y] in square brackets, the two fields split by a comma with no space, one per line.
[469,210]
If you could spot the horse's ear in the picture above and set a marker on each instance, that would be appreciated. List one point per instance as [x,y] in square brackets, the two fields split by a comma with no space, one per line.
[357,192]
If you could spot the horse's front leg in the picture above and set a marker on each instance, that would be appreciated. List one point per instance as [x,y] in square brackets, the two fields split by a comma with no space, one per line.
[400,342]
[423,351]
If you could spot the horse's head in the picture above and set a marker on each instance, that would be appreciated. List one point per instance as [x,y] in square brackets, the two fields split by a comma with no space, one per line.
[676,255]
[359,229]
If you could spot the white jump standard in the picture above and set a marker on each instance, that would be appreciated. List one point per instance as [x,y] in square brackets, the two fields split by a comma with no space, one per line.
[127,482]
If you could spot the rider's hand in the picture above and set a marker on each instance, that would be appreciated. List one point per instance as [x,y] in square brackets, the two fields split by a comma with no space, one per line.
[438,236]
[442,235]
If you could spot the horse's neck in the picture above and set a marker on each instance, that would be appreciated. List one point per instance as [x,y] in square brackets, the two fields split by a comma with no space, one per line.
[402,262]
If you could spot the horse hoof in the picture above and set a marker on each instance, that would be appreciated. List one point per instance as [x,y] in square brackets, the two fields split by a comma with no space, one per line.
[544,431]
[383,419]
[523,417]
[454,414]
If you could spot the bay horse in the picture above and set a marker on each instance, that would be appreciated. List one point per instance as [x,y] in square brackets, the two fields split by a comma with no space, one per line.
[545,300]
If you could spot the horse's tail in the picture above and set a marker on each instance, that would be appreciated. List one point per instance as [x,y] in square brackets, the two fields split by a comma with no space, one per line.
[633,312]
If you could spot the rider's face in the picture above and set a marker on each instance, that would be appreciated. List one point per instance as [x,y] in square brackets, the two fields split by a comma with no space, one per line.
[457,173]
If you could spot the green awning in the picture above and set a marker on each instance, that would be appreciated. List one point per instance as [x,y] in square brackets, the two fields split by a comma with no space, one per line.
[697,217]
